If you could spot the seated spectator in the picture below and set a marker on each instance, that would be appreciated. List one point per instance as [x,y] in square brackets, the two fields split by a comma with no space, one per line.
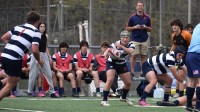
[62,64]
[84,61]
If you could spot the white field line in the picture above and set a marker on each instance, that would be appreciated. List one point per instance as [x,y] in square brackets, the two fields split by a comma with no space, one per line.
[21,110]
[158,106]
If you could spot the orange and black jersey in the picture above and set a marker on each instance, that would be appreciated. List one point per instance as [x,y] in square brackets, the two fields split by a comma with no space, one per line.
[183,38]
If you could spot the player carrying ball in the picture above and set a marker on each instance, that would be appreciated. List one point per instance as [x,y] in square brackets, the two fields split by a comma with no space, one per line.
[119,66]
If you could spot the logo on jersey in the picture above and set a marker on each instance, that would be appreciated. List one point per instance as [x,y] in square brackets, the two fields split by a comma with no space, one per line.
[195,72]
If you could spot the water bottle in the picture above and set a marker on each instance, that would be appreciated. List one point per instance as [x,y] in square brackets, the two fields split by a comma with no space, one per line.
[158,92]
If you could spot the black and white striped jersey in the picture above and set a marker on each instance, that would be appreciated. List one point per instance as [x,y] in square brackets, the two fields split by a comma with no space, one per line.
[161,63]
[22,37]
[123,55]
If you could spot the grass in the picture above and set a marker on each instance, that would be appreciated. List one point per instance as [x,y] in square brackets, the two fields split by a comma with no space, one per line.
[82,104]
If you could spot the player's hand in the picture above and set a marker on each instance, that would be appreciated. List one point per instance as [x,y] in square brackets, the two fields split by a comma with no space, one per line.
[144,26]
[137,26]
[118,45]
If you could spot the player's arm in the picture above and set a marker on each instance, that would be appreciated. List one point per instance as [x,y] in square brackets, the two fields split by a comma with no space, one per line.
[6,37]
[127,50]
[70,68]
[130,28]
[173,44]
[175,73]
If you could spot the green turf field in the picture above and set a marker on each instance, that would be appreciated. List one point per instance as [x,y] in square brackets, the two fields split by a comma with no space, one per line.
[82,104]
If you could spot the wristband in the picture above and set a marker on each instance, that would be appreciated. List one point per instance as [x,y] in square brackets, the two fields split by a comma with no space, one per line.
[184,82]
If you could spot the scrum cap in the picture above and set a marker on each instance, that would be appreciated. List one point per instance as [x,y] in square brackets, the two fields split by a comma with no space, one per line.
[125,33]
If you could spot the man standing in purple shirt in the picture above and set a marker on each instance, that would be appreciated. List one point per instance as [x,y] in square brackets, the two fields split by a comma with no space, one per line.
[139,24]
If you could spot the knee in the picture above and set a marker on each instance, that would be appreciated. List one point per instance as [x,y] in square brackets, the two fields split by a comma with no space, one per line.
[169,82]
[128,83]
[153,82]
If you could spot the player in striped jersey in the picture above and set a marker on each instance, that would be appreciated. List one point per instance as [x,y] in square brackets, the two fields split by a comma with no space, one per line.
[119,66]
[157,68]
[18,42]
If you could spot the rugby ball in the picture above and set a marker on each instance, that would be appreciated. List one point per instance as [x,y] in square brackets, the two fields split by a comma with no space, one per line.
[114,53]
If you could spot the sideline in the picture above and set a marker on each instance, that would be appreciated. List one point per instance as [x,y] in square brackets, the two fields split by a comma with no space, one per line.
[22,110]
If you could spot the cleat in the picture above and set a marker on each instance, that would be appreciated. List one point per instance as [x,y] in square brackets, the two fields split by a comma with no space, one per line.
[105,103]
[81,94]
[41,94]
[15,93]
[63,95]
[172,104]
[190,109]
[75,95]
[33,94]
[113,95]
[143,102]
[53,95]
[163,103]
[127,101]
[98,94]
[57,94]
[196,110]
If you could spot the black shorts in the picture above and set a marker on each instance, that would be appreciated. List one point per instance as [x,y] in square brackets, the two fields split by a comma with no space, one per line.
[102,76]
[120,68]
[65,75]
[12,67]
[146,68]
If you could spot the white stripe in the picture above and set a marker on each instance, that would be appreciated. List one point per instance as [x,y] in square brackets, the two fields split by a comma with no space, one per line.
[9,56]
[15,48]
[21,40]
[23,110]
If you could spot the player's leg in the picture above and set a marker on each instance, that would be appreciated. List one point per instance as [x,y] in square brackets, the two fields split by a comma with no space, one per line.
[61,84]
[47,72]
[133,57]
[151,78]
[143,53]
[79,75]
[40,89]
[110,77]
[168,81]
[55,82]
[192,63]
[197,107]
[71,78]
[96,82]
[181,85]
[125,76]
[177,89]
[11,83]
[33,74]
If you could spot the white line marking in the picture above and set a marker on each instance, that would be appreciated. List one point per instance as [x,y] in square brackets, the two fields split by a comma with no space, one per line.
[158,106]
[68,99]
[23,110]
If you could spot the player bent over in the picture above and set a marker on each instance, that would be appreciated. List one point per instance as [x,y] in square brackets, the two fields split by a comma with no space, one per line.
[19,41]
[157,67]
[119,67]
